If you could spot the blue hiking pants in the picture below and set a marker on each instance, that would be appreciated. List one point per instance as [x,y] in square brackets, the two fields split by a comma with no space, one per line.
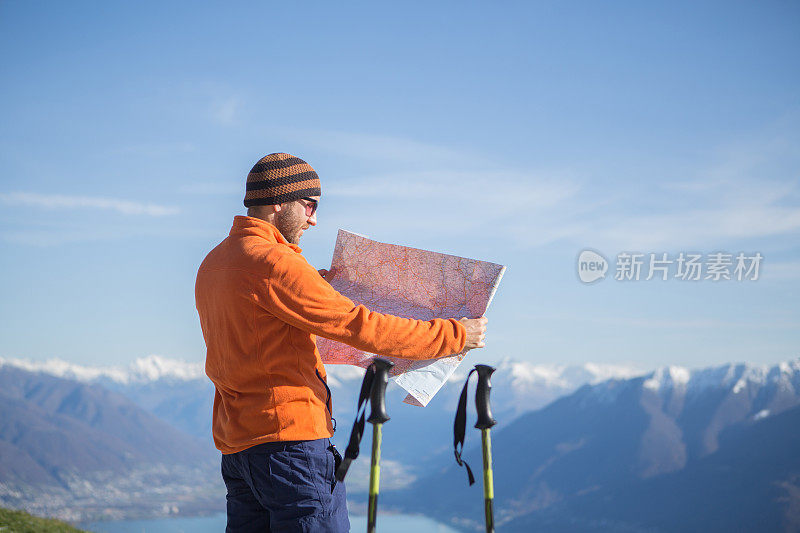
[285,487]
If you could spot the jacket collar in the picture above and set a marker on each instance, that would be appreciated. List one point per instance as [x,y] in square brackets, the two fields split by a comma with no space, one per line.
[261,228]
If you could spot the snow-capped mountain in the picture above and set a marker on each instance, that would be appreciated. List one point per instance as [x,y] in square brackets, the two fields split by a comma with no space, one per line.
[736,377]
[179,393]
[688,427]
[523,375]
[564,432]
[520,386]
[142,370]
[79,451]
[738,392]
[176,391]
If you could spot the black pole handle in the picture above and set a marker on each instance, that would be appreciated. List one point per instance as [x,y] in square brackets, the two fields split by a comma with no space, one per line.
[377,397]
[485,418]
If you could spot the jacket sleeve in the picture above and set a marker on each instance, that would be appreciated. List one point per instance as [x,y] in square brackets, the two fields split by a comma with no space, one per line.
[297,294]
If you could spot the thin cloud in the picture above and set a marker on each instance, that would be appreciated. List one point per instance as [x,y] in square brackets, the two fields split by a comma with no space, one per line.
[57,236]
[739,194]
[390,150]
[455,203]
[47,238]
[226,112]
[155,149]
[669,323]
[692,228]
[496,187]
[58,201]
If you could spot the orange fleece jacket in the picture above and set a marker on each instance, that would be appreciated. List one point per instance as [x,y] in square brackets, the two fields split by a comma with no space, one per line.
[261,305]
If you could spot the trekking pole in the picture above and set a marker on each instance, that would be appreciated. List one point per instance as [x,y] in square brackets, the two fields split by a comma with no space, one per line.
[377,417]
[484,423]
[373,389]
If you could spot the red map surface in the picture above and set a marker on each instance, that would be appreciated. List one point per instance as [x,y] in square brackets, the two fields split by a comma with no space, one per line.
[411,283]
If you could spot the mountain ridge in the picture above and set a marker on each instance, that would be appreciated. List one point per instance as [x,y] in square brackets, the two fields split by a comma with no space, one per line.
[571,432]
[156,367]
[78,450]
[613,434]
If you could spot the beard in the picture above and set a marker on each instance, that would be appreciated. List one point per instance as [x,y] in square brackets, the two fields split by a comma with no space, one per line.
[289,222]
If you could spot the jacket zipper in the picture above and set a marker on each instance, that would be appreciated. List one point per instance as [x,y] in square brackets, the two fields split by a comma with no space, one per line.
[328,400]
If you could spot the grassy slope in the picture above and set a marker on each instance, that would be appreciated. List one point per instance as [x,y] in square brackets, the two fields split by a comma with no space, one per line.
[22,522]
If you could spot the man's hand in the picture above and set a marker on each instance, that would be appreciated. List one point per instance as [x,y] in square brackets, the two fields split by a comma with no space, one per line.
[476,332]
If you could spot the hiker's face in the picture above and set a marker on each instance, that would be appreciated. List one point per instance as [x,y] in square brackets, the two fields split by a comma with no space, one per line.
[293,219]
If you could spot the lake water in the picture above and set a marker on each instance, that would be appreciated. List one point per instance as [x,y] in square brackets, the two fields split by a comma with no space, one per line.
[216,524]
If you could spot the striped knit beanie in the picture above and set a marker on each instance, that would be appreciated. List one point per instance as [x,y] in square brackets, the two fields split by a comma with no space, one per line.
[279,178]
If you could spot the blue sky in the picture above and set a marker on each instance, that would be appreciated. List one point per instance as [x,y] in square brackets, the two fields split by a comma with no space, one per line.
[519,133]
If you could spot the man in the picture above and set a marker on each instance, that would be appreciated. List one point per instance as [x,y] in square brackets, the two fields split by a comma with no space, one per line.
[261,306]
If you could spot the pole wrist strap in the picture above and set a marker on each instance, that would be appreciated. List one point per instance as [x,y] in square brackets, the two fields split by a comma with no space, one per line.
[351,452]
[460,427]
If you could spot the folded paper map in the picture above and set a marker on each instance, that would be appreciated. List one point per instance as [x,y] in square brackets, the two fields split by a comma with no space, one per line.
[410,283]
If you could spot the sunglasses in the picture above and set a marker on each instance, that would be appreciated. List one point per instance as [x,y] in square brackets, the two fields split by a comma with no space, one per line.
[311,206]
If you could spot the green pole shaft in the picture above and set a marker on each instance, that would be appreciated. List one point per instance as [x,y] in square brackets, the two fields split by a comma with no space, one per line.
[374,477]
[488,483]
